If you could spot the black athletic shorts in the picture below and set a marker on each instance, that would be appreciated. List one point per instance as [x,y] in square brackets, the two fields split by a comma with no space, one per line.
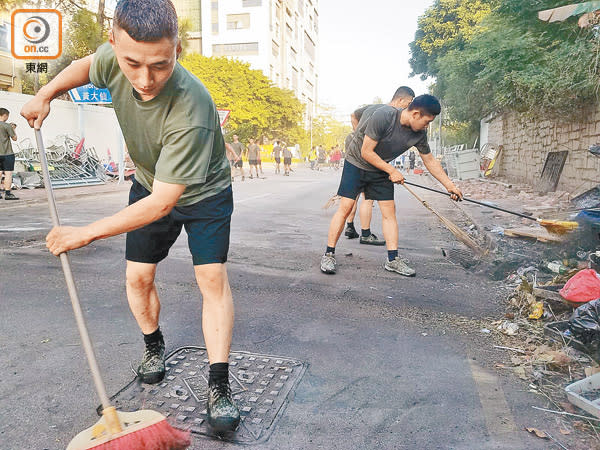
[287,161]
[206,223]
[7,162]
[375,185]
[239,163]
[277,159]
[253,162]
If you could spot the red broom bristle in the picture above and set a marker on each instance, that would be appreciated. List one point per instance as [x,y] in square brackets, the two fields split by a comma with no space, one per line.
[159,436]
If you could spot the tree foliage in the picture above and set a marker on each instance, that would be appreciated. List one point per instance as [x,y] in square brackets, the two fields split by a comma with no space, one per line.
[510,61]
[258,108]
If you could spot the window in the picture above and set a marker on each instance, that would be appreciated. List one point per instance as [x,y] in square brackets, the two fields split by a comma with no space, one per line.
[250,3]
[238,21]
[4,36]
[309,46]
[241,49]
[215,16]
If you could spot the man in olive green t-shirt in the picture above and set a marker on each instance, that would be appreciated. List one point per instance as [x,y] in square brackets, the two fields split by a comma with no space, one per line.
[253,156]
[183,178]
[7,157]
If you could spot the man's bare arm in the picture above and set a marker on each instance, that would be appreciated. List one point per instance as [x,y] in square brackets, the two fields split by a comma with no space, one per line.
[368,154]
[435,168]
[147,210]
[76,74]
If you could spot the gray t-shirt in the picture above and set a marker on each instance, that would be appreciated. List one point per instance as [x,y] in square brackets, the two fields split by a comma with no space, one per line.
[277,151]
[287,153]
[6,132]
[238,148]
[253,151]
[393,138]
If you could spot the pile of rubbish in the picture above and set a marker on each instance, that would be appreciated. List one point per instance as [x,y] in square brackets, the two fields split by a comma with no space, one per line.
[70,164]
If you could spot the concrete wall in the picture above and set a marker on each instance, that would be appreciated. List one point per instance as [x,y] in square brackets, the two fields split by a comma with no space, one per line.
[101,129]
[526,143]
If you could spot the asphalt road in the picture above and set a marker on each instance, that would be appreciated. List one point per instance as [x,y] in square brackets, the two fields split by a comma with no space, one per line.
[394,363]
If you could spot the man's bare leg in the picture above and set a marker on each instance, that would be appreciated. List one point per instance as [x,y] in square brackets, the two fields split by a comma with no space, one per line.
[338,220]
[389,223]
[145,306]
[142,296]
[217,310]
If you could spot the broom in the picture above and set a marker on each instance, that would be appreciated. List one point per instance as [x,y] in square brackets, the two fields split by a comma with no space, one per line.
[452,227]
[140,430]
[553,226]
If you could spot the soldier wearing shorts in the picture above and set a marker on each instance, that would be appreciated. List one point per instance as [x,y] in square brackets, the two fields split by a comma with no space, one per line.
[7,157]
[183,180]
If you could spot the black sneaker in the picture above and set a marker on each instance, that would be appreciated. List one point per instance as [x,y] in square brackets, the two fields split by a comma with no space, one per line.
[222,413]
[10,196]
[152,367]
[351,233]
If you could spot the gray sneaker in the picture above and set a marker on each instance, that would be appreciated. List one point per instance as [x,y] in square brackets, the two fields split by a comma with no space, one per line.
[371,240]
[399,265]
[328,263]
[152,367]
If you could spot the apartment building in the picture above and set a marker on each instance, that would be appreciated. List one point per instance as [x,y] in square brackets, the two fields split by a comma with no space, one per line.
[278,37]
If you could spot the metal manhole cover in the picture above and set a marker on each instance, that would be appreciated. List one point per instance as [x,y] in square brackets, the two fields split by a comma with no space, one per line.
[260,386]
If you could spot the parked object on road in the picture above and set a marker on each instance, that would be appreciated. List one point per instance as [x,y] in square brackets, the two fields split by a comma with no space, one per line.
[583,287]
[553,226]
[114,430]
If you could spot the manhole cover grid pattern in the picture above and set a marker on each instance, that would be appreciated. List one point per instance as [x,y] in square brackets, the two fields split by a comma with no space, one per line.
[260,386]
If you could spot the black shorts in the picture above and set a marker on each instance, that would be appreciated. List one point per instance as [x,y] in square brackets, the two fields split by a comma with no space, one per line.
[7,163]
[206,223]
[239,163]
[287,161]
[375,185]
[277,159]
[253,162]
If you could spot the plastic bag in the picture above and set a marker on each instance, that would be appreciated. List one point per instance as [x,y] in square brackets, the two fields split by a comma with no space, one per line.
[585,324]
[583,287]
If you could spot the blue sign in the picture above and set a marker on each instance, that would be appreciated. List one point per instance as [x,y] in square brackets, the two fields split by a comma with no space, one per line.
[90,94]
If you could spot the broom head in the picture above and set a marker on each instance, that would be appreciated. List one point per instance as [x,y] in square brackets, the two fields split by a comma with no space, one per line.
[558,226]
[145,429]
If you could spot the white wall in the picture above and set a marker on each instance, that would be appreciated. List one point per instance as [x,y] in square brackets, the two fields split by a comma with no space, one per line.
[100,123]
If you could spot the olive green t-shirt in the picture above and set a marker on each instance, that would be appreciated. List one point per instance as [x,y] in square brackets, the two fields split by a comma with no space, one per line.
[6,132]
[175,137]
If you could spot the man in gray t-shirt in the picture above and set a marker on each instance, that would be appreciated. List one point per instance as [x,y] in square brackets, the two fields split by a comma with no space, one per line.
[277,156]
[7,157]
[237,163]
[388,133]
[253,157]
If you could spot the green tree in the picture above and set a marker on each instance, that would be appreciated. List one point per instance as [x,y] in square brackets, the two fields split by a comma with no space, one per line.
[258,109]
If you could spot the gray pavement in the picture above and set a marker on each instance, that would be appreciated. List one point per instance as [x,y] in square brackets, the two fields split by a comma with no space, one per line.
[394,363]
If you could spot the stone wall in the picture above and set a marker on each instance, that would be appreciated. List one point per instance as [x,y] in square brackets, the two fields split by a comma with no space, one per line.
[526,144]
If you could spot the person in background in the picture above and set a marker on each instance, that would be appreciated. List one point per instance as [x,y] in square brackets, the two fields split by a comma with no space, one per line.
[7,156]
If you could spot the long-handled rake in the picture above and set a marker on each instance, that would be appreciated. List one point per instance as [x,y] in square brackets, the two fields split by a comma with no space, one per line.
[452,227]
[553,226]
[140,430]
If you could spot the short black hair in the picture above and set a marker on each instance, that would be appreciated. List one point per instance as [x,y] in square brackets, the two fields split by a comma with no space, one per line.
[427,104]
[147,21]
[3,112]
[403,92]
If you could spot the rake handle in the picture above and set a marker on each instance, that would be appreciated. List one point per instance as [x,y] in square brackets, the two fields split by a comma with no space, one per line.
[66,266]
[535,219]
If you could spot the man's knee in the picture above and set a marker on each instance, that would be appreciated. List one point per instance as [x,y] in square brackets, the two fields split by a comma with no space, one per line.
[140,277]
[211,277]
[388,209]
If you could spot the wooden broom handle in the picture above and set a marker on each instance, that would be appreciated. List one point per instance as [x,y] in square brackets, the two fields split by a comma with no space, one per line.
[66,266]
